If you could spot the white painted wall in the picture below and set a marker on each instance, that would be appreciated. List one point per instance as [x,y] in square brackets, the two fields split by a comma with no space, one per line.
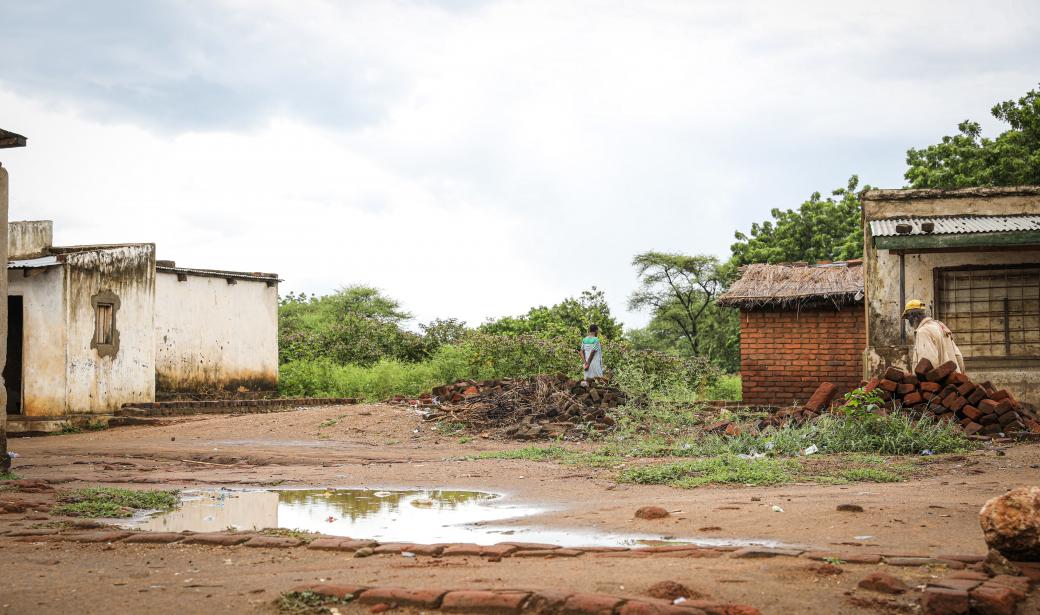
[101,384]
[211,334]
[43,338]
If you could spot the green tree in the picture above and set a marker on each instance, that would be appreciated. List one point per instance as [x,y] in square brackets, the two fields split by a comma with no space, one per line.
[969,159]
[720,337]
[680,291]
[355,325]
[569,318]
[820,229]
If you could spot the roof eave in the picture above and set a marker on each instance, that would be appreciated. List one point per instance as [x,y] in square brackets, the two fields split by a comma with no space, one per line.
[956,241]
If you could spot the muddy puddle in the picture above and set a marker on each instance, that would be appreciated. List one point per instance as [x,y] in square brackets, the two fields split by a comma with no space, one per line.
[414,515]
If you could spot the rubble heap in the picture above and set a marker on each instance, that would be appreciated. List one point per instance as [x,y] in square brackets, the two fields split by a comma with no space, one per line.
[941,393]
[527,408]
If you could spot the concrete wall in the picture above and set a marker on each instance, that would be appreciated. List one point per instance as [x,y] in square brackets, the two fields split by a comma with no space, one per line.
[29,239]
[211,335]
[43,338]
[785,355]
[99,383]
[881,276]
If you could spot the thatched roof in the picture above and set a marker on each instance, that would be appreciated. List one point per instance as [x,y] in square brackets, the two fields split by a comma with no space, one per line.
[796,286]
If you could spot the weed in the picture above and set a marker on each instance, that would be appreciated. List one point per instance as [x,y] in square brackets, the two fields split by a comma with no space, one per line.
[331,422]
[465,439]
[727,469]
[112,502]
[450,428]
[96,426]
[870,475]
[307,603]
[9,476]
[303,535]
[727,388]
[67,429]
[834,561]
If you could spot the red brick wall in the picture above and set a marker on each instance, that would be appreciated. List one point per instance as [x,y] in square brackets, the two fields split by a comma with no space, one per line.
[785,355]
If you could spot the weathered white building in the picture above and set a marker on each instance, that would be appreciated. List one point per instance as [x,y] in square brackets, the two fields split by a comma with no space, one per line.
[95,327]
[973,256]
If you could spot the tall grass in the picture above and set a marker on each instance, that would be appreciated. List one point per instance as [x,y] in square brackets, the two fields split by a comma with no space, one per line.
[481,356]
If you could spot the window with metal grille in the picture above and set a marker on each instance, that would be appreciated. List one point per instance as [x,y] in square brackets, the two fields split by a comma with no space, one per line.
[103,324]
[994,311]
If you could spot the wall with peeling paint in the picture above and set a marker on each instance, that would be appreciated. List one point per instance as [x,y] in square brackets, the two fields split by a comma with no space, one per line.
[97,383]
[881,280]
[212,335]
[29,238]
[43,338]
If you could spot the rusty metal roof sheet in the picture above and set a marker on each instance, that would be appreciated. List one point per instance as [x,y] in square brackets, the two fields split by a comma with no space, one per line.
[957,225]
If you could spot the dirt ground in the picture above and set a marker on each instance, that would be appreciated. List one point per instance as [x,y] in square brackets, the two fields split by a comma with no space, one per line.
[389,446]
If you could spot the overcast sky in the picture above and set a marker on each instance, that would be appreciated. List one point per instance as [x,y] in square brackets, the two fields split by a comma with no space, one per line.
[475,158]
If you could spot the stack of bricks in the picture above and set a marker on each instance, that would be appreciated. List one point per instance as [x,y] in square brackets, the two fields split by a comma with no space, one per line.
[784,355]
[945,394]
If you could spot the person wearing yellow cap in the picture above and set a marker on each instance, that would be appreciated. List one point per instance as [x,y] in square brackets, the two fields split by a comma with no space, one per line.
[932,339]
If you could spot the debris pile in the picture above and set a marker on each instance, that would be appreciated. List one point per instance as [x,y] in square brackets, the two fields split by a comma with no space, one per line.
[941,393]
[526,408]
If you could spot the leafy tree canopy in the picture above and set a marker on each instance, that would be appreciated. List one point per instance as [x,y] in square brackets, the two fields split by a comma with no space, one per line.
[355,325]
[969,159]
[568,318]
[819,230]
[679,291]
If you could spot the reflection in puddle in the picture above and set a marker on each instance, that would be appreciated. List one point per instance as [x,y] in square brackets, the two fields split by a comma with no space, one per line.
[419,516]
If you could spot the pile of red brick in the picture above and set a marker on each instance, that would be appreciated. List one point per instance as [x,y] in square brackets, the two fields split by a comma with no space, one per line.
[945,394]
[941,393]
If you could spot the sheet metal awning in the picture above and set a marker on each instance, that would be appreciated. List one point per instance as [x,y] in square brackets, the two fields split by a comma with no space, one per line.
[955,232]
[33,263]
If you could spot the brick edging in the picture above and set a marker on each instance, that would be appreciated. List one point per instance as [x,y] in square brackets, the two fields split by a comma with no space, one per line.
[505,601]
[104,533]
[218,406]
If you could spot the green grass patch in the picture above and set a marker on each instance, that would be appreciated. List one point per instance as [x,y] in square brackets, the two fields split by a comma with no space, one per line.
[112,502]
[727,388]
[9,476]
[734,470]
[728,469]
[284,532]
[307,603]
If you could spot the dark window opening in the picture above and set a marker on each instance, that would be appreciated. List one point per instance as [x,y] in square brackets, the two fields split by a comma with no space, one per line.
[13,367]
[994,312]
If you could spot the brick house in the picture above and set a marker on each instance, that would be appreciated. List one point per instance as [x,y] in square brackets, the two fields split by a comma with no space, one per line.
[800,325]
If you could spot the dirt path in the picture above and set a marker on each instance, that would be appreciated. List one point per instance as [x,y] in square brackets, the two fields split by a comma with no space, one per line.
[388,446]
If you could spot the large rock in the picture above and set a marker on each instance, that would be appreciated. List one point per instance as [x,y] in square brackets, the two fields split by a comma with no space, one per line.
[1011,524]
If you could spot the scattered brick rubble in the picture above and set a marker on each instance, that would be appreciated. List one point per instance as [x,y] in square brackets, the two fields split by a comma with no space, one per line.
[968,587]
[959,584]
[523,408]
[941,393]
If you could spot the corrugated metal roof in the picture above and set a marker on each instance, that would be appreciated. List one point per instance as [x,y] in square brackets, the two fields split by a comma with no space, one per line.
[956,225]
[33,263]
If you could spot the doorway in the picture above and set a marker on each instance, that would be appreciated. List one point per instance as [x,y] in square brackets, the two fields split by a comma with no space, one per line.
[13,367]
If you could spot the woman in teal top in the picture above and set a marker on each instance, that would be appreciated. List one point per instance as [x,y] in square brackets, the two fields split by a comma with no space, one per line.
[592,353]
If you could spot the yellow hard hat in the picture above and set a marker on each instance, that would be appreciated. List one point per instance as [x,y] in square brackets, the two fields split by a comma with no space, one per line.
[913,304]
